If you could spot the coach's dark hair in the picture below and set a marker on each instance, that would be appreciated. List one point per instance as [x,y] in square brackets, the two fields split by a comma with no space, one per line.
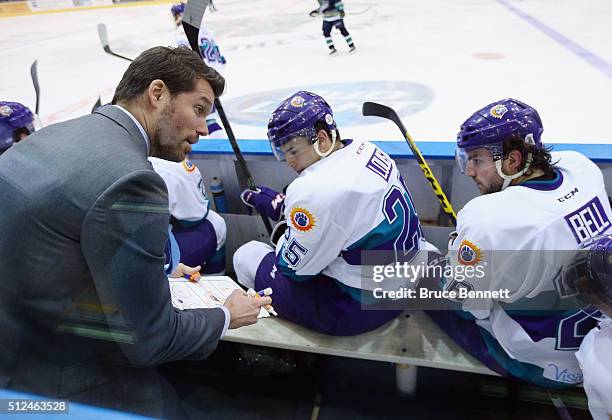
[177,67]
[541,155]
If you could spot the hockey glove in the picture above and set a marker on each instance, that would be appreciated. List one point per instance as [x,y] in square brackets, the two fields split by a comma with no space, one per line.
[342,14]
[266,201]
[314,13]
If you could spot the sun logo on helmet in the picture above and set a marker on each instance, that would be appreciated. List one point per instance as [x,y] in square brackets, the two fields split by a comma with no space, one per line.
[6,111]
[297,101]
[498,111]
[329,119]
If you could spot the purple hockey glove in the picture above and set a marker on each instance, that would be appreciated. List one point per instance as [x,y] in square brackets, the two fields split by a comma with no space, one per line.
[267,201]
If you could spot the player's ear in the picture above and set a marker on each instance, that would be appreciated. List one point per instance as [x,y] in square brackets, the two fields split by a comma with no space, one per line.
[323,138]
[515,159]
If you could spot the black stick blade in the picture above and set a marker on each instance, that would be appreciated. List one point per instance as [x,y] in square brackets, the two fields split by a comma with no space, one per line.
[34,74]
[372,109]
[192,20]
[376,110]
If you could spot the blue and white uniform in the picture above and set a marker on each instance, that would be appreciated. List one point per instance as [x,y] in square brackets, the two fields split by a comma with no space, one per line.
[350,201]
[333,12]
[199,231]
[213,58]
[509,232]
[330,9]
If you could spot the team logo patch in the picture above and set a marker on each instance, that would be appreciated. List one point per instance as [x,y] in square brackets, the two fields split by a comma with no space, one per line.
[329,119]
[189,166]
[297,101]
[498,111]
[6,111]
[469,253]
[302,219]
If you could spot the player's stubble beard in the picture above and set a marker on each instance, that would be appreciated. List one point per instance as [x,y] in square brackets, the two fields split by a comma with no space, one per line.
[493,187]
[164,144]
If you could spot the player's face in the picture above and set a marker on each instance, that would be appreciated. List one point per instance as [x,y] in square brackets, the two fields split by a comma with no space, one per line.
[181,122]
[299,153]
[481,168]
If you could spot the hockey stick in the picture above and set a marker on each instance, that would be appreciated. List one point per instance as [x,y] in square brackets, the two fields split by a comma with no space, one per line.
[192,19]
[34,74]
[97,105]
[103,35]
[378,110]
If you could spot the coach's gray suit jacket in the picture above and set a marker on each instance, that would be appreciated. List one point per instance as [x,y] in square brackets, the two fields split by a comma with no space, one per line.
[85,306]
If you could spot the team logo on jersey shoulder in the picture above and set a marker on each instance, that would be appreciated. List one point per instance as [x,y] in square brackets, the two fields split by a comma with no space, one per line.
[302,219]
[498,111]
[297,101]
[469,253]
[188,165]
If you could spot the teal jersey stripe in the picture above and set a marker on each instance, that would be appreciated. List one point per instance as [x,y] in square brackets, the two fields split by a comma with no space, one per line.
[525,371]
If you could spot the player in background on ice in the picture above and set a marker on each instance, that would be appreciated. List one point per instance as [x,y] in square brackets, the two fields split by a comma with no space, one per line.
[348,197]
[333,17]
[590,277]
[534,204]
[199,231]
[16,123]
[212,57]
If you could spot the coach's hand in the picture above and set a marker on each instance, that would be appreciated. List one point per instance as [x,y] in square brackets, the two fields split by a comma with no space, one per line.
[243,309]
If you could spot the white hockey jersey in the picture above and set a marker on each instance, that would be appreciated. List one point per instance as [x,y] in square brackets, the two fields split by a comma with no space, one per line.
[186,191]
[209,48]
[509,232]
[352,200]
[595,357]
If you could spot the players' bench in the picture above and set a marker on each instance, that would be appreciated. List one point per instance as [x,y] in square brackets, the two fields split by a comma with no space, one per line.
[409,341]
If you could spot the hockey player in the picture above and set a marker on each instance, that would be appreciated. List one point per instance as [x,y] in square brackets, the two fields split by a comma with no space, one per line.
[333,17]
[212,57]
[533,203]
[591,277]
[16,123]
[199,232]
[348,197]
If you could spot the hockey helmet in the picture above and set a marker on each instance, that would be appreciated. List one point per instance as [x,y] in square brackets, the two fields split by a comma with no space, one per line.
[590,276]
[490,126]
[295,117]
[15,116]
[6,137]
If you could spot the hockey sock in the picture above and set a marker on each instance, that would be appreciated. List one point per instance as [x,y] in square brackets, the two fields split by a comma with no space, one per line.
[349,41]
